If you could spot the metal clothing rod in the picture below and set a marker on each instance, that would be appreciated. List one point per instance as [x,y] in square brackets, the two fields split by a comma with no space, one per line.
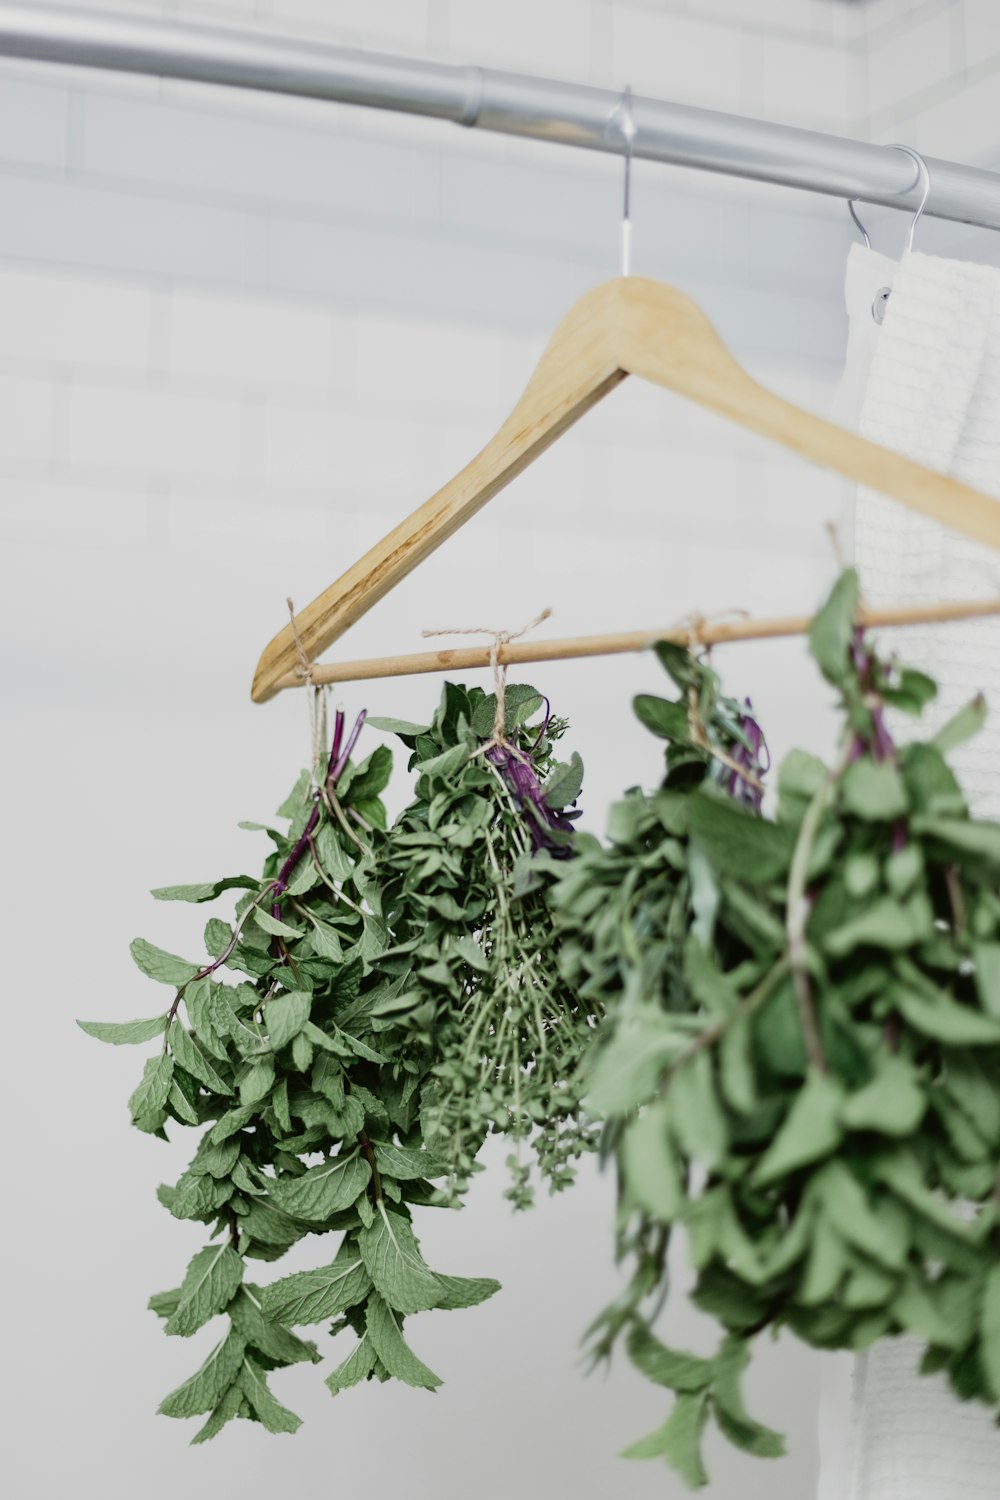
[568,114]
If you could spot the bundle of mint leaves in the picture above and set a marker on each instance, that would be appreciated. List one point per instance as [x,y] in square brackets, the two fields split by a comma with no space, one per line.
[392,1006]
[802,1042]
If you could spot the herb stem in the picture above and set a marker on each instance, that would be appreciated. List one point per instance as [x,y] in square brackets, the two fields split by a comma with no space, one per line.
[368,1152]
[746,1007]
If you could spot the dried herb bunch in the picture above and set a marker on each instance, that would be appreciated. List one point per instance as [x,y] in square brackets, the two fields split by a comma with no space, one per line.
[798,1062]
[466,872]
[359,952]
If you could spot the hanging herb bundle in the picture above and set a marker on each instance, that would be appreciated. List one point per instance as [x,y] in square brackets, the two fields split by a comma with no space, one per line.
[310,1116]
[465,874]
[800,1065]
[360,952]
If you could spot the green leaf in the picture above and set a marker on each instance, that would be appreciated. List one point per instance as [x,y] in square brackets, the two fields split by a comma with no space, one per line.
[358,1365]
[627,1071]
[668,720]
[210,1283]
[406,1163]
[165,967]
[395,1265]
[874,791]
[464,1291]
[396,1355]
[893,1103]
[565,783]
[395,726]
[699,1121]
[981,840]
[989,1342]
[267,1335]
[191,1058]
[677,1370]
[987,960]
[736,1067]
[946,1020]
[296,799]
[209,1384]
[256,1079]
[331,854]
[878,1230]
[739,844]
[679,1440]
[313,1296]
[124,1032]
[885,923]
[708,985]
[650,1175]
[520,702]
[832,630]
[326,942]
[180,1104]
[962,726]
[151,1094]
[371,777]
[227,1409]
[324,1190]
[730,1412]
[274,925]
[231,1123]
[271,1413]
[285,1016]
[811,1130]
[206,892]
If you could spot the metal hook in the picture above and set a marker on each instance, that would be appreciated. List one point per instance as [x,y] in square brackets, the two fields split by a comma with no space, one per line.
[853,213]
[924,178]
[626,123]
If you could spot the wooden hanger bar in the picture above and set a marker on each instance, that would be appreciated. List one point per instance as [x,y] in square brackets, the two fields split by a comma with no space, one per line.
[627,326]
[462,658]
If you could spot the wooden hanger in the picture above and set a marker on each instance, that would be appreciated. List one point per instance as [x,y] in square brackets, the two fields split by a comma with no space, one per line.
[626,326]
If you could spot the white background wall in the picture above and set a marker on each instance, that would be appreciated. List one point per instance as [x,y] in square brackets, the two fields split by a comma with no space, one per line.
[239,339]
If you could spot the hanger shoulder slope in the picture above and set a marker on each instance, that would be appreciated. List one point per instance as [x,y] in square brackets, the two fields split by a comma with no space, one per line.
[627,326]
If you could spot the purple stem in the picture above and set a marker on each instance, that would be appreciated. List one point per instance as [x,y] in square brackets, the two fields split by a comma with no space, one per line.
[334,770]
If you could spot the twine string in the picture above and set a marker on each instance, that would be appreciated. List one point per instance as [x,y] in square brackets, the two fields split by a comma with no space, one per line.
[694,624]
[501,638]
[316,697]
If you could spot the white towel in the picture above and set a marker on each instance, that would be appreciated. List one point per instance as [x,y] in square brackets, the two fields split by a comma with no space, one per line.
[933,392]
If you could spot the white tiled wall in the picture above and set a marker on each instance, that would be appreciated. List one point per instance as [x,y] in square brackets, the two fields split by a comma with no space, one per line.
[239,338]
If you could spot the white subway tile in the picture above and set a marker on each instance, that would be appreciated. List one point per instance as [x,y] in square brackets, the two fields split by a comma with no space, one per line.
[678,57]
[429,362]
[982,30]
[346,452]
[911,60]
[61,514]
[808,84]
[965,126]
[34,123]
[155,431]
[256,340]
[230,155]
[386,24]
[25,417]
[57,221]
[551,38]
[73,318]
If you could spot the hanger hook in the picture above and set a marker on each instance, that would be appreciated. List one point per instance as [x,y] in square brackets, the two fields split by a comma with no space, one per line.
[853,213]
[626,123]
[923,180]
